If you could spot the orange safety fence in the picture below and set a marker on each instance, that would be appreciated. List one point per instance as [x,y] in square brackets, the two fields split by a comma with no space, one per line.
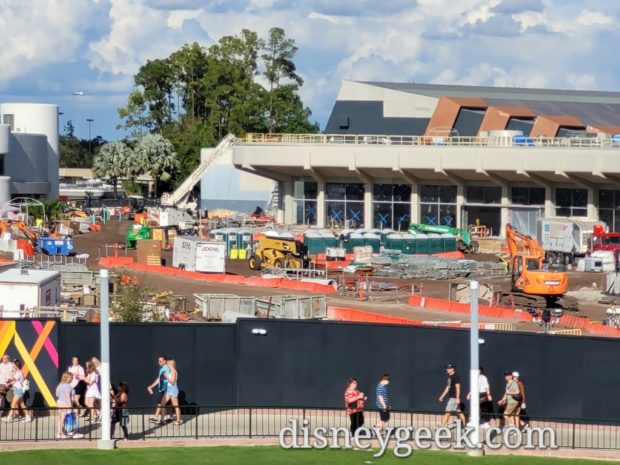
[509,314]
[128,263]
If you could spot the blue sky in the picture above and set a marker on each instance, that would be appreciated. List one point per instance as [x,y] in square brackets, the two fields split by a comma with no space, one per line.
[51,48]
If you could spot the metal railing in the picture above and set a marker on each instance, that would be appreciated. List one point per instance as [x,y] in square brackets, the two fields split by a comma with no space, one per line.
[434,140]
[251,422]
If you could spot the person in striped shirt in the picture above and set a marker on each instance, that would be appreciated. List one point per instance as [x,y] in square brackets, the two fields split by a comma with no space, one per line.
[383,401]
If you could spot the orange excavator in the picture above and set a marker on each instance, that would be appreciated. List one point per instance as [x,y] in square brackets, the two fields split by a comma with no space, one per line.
[6,225]
[534,283]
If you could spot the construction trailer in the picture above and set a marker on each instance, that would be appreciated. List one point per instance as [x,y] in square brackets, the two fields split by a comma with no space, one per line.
[25,289]
[565,239]
[196,254]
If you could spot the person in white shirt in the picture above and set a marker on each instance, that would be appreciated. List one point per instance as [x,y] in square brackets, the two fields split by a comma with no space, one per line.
[18,384]
[486,400]
[6,377]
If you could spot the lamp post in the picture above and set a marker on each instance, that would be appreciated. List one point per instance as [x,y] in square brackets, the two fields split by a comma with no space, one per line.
[77,93]
[474,370]
[105,442]
[90,139]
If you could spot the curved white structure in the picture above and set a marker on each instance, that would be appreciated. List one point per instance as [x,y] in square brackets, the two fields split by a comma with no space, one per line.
[32,158]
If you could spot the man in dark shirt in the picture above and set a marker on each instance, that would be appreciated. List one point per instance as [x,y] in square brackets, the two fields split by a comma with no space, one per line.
[453,392]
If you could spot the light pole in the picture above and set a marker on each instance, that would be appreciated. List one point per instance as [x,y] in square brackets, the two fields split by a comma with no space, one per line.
[90,139]
[77,93]
[474,370]
[106,441]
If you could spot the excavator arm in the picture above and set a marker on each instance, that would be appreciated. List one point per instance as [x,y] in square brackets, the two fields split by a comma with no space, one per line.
[520,243]
[6,225]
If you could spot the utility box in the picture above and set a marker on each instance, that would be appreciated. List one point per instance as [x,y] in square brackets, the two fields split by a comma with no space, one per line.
[197,254]
[25,289]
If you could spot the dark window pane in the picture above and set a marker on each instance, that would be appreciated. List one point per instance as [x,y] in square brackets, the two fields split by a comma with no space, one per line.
[447,194]
[607,216]
[492,194]
[448,215]
[310,212]
[580,212]
[382,192]
[335,191]
[355,213]
[537,195]
[311,190]
[335,213]
[520,195]
[616,225]
[300,213]
[382,215]
[402,193]
[401,218]
[617,202]
[562,212]
[430,214]
[355,191]
[563,198]
[475,194]
[580,198]
[605,198]
[429,193]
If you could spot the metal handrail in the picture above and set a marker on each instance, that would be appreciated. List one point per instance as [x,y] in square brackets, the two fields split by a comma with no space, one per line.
[448,141]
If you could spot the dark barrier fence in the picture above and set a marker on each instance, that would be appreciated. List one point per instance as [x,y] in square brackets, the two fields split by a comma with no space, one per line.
[306,363]
[259,422]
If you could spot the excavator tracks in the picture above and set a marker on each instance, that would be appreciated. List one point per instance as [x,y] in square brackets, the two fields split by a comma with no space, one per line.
[539,302]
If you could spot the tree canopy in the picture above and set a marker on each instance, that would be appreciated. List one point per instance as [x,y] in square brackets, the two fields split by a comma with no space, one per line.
[197,95]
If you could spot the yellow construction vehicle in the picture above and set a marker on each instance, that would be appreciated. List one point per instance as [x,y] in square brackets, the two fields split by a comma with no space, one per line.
[273,252]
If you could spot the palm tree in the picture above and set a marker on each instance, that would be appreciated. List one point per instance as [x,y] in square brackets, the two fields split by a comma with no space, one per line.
[157,155]
[113,161]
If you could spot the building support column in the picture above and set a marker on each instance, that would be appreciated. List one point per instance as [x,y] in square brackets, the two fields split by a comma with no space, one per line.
[460,202]
[289,214]
[593,203]
[415,203]
[505,211]
[320,204]
[368,205]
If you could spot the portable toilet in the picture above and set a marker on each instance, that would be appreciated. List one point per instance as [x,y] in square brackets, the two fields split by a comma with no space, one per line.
[355,239]
[422,244]
[231,242]
[449,242]
[314,241]
[218,235]
[394,242]
[244,240]
[409,244]
[373,240]
[436,243]
[384,234]
[329,239]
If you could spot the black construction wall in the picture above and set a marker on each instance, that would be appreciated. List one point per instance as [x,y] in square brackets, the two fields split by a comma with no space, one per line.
[304,363]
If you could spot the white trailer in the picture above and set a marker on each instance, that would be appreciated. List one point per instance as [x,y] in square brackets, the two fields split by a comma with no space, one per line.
[171,217]
[566,238]
[24,289]
[197,254]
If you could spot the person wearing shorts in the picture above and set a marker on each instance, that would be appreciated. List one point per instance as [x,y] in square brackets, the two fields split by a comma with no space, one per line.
[511,400]
[18,382]
[172,391]
[383,401]
[162,389]
[453,392]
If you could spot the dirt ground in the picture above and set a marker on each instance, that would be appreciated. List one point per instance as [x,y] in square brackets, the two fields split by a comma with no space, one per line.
[394,303]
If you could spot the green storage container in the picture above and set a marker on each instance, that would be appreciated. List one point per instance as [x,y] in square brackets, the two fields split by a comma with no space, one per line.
[355,240]
[315,243]
[394,242]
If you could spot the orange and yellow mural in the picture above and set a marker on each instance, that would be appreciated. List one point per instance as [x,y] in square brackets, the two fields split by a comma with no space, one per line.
[33,342]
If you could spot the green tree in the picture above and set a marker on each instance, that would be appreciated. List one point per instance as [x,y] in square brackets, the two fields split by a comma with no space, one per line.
[128,304]
[113,162]
[158,156]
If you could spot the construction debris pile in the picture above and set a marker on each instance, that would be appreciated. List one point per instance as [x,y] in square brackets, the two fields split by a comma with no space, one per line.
[419,266]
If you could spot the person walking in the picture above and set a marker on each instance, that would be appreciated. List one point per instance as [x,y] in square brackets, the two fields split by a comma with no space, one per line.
[120,413]
[18,383]
[511,401]
[453,392]
[93,394]
[172,390]
[486,401]
[523,420]
[6,376]
[383,401]
[64,402]
[78,384]
[354,401]
[162,387]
